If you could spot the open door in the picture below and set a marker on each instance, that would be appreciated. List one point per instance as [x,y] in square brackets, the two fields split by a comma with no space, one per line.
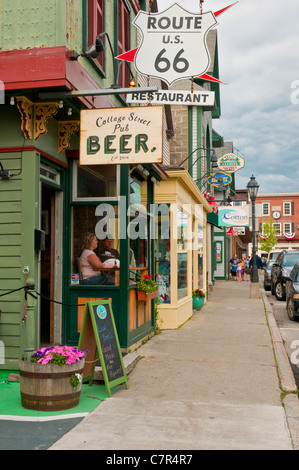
[50,266]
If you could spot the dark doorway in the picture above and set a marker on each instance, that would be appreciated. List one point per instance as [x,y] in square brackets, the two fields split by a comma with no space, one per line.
[47,265]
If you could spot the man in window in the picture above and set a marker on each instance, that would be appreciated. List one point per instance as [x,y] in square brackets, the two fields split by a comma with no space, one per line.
[109,257]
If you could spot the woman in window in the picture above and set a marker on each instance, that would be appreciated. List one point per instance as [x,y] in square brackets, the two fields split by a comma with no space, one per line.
[89,261]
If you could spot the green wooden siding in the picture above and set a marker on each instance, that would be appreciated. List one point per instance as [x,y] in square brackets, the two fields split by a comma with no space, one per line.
[10,258]
[19,215]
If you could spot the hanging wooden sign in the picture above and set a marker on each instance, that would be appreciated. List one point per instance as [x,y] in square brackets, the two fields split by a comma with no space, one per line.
[121,135]
[99,336]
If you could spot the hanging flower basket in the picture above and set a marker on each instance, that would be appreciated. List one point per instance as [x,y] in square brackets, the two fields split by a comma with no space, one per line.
[147,288]
[143,296]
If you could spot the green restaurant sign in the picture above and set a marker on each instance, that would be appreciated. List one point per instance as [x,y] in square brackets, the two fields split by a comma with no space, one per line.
[231,162]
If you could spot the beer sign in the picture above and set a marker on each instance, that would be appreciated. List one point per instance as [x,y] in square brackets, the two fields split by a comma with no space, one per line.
[121,135]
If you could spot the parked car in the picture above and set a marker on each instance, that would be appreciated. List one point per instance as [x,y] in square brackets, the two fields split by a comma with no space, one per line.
[292,293]
[281,269]
[267,274]
[273,255]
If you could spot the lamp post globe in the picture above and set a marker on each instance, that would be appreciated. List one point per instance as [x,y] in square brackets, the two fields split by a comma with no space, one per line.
[253,188]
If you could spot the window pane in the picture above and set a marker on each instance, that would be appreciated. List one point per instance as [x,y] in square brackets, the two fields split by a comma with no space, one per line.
[182,275]
[162,256]
[84,244]
[200,256]
[96,181]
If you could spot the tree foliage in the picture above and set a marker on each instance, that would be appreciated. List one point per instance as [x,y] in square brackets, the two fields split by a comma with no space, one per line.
[268,239]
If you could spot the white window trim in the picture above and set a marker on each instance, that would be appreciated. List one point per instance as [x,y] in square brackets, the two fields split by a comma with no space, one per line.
[268,206]
[276,224]
[290,206]
[284,227]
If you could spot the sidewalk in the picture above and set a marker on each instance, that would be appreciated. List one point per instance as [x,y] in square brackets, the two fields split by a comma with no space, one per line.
[211,384]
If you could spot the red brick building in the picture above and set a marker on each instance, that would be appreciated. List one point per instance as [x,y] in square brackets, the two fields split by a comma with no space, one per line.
[284,209]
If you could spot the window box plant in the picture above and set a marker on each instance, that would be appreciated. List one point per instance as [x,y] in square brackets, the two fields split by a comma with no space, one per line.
[147,288]
[198,298]
[51,378]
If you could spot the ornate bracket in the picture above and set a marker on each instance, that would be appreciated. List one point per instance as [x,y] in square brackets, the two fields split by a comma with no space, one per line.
[25,107]
[42,112]
[65,130]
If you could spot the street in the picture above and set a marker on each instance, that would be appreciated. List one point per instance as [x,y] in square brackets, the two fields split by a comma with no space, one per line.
[289,331]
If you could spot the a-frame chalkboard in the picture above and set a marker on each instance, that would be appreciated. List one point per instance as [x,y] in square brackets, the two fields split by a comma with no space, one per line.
[99,336]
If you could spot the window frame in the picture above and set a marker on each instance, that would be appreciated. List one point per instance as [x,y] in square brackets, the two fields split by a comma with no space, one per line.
[284,227]
[99,63]
[277,225]
[75,198]
[287,204]
[120,43]
[266,205]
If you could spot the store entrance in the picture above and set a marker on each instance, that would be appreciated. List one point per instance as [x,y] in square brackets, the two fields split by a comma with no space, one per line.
[50,261]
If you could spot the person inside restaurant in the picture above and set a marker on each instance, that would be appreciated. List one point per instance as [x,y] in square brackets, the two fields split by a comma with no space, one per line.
[89,263]
[109,257]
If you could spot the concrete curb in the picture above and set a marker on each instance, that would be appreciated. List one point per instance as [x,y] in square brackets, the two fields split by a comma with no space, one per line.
[288,383]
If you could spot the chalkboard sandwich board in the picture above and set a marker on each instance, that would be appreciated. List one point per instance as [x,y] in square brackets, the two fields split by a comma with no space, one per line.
[99,336]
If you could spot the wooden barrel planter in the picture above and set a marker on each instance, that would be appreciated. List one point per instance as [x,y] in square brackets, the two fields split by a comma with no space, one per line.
[46,387]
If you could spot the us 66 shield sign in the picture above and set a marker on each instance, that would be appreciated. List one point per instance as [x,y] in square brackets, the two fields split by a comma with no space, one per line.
[174,43]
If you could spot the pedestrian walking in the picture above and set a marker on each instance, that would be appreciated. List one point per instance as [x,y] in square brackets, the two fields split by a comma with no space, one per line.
[242,268]
[259,263]
[247,268]
[239,271]
[233,263]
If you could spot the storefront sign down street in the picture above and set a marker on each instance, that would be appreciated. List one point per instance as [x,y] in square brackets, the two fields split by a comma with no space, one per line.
[231,162]
[121,135]
[233,216]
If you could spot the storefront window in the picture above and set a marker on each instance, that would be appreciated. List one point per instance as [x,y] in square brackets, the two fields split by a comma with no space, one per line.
[95,181]
[138,237]
[162,256]
[200,256]
[88,221]
[182,235]
[182,275]
[182,229]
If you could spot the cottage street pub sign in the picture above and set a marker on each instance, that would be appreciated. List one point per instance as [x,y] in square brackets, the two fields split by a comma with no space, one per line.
[121,135]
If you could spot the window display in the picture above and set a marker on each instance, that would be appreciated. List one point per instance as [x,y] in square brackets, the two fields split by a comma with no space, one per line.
[162,257]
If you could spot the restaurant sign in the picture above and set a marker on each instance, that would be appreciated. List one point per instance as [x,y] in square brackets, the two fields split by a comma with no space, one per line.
[121,135]
[231,162]
[187,98]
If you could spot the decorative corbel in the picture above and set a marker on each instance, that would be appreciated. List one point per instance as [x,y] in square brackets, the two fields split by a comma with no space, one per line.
[42,112]
[65,130]
[25,107]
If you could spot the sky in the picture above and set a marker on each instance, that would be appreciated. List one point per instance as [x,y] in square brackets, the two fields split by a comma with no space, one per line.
[258,47]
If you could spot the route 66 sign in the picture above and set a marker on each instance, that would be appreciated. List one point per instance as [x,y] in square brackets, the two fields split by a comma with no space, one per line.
[173,43]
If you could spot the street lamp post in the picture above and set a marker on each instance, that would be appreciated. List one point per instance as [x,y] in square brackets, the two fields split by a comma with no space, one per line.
[253,188]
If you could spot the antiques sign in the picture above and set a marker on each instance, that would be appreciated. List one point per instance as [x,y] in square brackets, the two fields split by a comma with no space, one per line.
[121,135]
[231,162]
